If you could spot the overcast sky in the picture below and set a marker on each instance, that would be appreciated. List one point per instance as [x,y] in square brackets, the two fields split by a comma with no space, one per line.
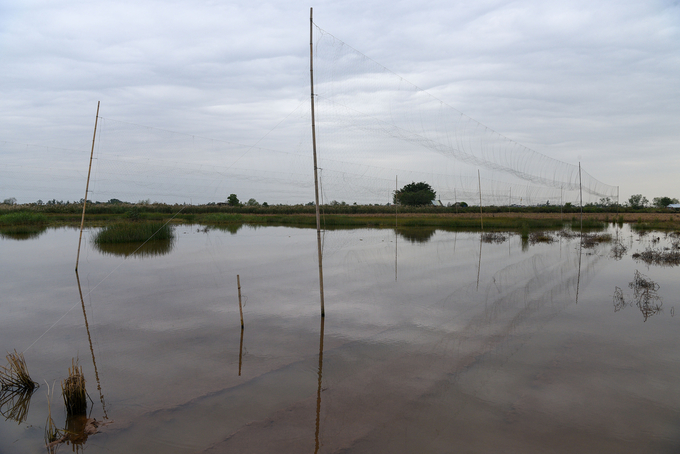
[595,82]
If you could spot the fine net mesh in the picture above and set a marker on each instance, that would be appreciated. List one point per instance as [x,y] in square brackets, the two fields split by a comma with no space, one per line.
[380,125]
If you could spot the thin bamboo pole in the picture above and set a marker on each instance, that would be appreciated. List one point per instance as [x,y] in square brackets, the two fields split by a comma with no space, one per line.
[580,190]
[87,186]
[481,217]
[240,307]
[316,176]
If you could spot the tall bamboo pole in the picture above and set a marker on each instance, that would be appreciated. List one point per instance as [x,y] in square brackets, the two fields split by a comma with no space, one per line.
[396,201]
[87,186]
[580,191]
[481,218]
[316,175]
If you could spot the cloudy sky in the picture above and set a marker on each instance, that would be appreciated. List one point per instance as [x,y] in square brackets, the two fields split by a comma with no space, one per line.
[595,82]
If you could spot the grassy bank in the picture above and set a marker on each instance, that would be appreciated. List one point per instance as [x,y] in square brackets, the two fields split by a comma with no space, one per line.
[340,216]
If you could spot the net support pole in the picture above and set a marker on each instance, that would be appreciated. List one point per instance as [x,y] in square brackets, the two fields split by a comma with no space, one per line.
[580,191]
[316,174]
[481,217]
[87,186]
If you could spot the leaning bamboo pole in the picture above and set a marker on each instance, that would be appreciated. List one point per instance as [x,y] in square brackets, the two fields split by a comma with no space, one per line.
[87,186]
[316,175]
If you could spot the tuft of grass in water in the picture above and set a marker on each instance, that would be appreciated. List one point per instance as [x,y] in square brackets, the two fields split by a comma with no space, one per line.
[592,239]
[540,237]
[23,218]
[134,232]
[15,375]
[73,390]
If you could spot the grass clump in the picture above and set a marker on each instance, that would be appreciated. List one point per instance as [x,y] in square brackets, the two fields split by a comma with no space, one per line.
[134,232]
[15,375]
[73,390]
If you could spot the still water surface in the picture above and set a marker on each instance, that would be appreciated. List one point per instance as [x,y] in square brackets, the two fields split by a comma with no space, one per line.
[433,342]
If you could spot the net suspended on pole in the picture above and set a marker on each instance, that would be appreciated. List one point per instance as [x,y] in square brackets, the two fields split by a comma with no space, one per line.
[368,114]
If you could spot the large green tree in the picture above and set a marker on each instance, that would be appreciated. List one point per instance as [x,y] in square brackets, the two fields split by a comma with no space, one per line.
[233,200]
[637,201]
[663,202]
[415,194]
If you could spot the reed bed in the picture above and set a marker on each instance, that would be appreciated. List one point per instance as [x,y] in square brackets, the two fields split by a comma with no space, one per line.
[15,375]
[132,232]
[73,390]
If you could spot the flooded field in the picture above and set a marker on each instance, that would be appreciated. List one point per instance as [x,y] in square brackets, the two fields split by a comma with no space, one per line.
[433,342]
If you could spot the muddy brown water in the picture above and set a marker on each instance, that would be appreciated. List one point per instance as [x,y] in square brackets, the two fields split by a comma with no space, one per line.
[431,343]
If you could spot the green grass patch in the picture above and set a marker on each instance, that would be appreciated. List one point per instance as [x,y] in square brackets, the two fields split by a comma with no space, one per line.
[590,224]
[22,218]
[132,232]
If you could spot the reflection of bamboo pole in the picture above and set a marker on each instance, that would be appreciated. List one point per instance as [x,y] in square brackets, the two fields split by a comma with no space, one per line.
[87,186]
[89,338]
[318,389]
[479,265]
[240,307]
[240,353]
[578,279]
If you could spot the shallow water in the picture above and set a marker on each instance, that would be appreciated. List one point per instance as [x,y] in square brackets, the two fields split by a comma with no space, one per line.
[431,343]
